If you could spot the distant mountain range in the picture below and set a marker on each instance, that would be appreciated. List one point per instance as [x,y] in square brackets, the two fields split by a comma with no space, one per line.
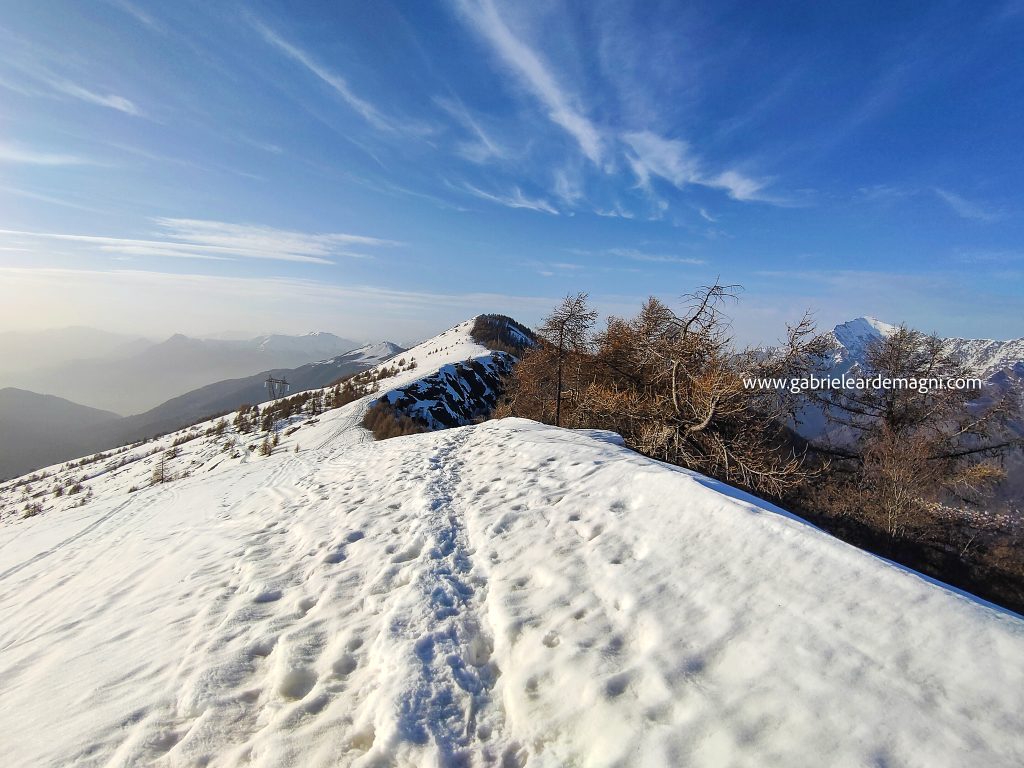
[227,395]
[130,376]
[25,417]
[39,430]
[999,364]
[982,357]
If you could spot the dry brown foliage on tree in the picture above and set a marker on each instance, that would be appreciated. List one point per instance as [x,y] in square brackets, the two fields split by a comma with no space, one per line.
[672,386]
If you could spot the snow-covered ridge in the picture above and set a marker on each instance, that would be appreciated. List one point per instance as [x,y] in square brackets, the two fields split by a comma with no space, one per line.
[376,352]
[381,351]
[501,594]
[986,357]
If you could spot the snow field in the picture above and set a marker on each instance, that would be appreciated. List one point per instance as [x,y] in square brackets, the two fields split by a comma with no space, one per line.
[504,594]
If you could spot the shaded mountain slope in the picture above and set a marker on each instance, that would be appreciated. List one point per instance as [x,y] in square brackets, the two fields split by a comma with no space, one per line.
[36,430]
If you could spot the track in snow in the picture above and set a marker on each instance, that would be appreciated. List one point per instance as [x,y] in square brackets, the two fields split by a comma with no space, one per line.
[500,595]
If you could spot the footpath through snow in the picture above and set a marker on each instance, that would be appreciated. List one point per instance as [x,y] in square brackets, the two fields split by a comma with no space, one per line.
[506,594]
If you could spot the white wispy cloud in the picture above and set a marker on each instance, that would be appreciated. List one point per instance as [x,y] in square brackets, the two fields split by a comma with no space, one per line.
[137,13]
[10,153]
[568,188]
[988,255]
[482,147]
[514,200]
[673,160]
[216,240]
[39,77]
[968,209]
[965,208]
[659,258]
[737,185]
[616,211]
[109,100]
[265,146]
[51,199]
[647,154]
[885,193]
[252,238]
[364,108]
[18,87]
[535,75]
[551,268]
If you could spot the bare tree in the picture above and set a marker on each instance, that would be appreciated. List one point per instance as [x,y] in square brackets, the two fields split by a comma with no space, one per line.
[567,330]
[160,473]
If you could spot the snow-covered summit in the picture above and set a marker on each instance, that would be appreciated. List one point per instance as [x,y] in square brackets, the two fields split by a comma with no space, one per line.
[855,336]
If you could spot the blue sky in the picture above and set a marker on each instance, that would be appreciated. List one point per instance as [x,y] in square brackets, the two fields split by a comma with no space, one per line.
[386,169]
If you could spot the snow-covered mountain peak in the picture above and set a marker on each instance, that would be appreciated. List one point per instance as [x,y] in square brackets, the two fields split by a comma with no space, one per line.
[853,339]
[858,333]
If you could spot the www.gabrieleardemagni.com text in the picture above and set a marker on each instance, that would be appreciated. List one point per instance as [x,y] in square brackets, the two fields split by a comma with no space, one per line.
[861,383]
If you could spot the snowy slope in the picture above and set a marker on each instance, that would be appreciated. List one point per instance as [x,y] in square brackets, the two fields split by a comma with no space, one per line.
[505,594]
[117,471]
[373,353]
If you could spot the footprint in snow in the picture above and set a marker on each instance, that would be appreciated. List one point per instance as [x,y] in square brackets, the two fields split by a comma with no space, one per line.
[345,665]
[296,683]
[335,556]
[409,553]
[616,685]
